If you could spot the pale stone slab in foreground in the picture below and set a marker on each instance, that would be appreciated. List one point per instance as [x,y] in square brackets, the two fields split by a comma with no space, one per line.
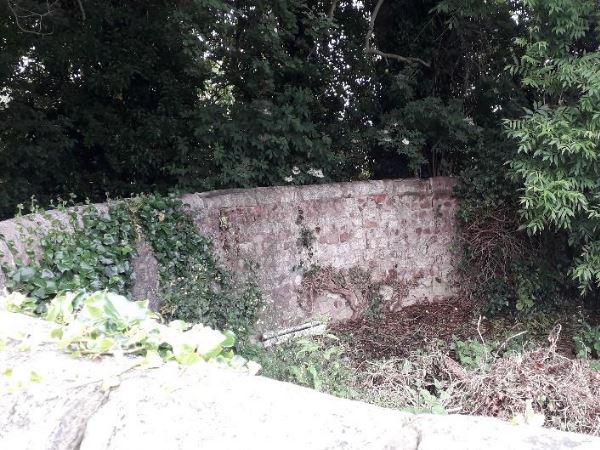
[206,407]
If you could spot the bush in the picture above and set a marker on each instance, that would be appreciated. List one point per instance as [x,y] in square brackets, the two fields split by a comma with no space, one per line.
[587,342]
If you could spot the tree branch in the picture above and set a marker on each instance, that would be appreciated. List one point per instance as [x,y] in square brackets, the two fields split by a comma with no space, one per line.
[20,13]
[82,10]
[374,51]
[332,9]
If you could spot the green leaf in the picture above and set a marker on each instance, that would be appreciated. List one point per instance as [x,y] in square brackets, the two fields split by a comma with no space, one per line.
[35,377]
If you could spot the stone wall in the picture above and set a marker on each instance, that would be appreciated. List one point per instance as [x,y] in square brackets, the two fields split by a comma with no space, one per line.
[323,250]
[397,232]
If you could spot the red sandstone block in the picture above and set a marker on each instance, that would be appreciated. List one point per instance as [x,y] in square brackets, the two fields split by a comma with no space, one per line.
[425,202]
[329,237]
[379,198]
[345,236]
[391,201]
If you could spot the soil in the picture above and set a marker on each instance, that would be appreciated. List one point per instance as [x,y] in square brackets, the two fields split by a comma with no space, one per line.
[396,334]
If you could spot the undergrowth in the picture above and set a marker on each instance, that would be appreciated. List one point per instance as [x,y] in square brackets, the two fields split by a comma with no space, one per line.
[318,363]
[535,387]
[514,370]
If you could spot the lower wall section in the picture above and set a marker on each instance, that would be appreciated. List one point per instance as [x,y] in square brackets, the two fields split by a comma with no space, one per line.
[331,250]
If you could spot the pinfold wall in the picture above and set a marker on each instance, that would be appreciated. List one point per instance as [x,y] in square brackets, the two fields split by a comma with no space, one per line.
[326,249]
[397,232]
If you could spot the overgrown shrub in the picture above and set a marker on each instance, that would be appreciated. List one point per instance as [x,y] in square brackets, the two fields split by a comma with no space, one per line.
[500,265]
[558,136]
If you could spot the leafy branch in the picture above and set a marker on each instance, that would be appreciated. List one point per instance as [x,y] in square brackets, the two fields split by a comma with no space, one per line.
[104,323]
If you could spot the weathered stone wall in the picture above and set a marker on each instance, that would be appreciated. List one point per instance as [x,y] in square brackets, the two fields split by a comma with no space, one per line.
[323,249]
[397,232]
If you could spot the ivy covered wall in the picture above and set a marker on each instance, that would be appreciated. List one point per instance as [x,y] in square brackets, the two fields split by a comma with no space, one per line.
[337,250]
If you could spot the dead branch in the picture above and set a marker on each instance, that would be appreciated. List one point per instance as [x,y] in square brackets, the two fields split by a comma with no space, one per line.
[339,282]
[81,9]
[501,388]
[22,14]
[332,9]
[369,49]
[493,243]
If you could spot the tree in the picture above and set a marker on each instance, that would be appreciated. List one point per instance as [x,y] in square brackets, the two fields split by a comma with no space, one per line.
[98,99]
[558,139]
[203,94]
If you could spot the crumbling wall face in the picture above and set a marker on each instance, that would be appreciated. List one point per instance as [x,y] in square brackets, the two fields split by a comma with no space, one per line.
[334,249]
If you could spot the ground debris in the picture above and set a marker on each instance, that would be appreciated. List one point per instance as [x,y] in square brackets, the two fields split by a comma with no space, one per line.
[397,334]
[541,382]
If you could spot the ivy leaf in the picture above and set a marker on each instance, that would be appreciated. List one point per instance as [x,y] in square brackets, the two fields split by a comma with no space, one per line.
[186,355]
[35,377]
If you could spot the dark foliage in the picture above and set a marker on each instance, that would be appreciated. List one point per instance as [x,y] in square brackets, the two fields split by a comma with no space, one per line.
[168,95]
[129,97]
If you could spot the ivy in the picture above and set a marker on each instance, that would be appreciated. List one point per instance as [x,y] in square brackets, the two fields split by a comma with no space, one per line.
[195,287]
[84,248]
[91,248]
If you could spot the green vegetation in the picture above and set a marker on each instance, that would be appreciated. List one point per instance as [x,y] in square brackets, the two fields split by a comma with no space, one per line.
[195,287]
[313,362]
[91,248]
[103,323]
[529,384]
[167,96]
[587,342]
[85,249]
[471,353]
[557,160]
[316,91]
